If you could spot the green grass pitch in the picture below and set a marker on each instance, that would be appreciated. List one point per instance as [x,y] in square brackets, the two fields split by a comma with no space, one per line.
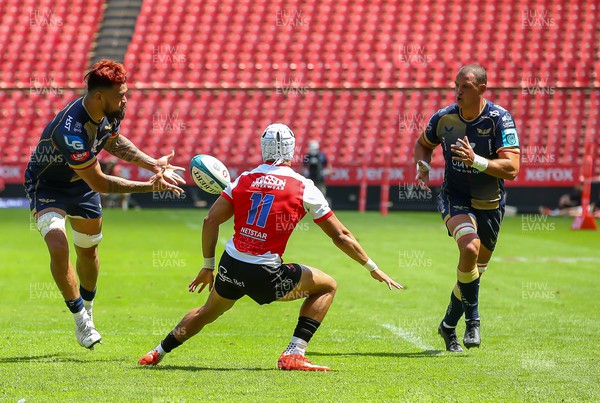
[538,302]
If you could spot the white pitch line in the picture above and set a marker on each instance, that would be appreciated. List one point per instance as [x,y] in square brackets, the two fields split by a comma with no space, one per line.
[188,224]
[173,216]
[408,336]
[192,225]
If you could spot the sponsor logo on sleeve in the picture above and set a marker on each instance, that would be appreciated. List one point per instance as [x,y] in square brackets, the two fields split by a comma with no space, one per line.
[80,156]
[494,114]
[78,127]
[509,138]
[73,143]
[68,122]
[507,122]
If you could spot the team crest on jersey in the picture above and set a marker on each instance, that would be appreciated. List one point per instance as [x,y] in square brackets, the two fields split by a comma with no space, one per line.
[484,132]
[98,141]
[268,182]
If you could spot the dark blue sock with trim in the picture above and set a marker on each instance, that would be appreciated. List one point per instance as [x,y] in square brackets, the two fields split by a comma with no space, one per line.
[469,293]
[75,305]
[87,295]
[454,312]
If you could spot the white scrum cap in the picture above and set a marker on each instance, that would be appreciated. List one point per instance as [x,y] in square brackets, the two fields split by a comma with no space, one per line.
[277,143]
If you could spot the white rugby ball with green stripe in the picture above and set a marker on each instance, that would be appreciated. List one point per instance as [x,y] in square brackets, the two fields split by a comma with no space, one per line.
[210,174]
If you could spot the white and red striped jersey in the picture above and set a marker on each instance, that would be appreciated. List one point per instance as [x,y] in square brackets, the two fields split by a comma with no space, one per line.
[268,202]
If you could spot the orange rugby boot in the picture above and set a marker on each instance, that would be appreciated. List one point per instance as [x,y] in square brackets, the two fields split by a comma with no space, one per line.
[297,362]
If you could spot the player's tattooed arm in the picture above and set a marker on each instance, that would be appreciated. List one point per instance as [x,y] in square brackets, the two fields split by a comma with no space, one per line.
[102,183]
[120,185]
[157,183]
[121,147]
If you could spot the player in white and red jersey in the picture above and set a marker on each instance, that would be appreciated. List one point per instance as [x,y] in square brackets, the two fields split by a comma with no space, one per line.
[266,204]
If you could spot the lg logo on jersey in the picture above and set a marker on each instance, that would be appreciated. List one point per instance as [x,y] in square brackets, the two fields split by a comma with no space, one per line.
[73,143]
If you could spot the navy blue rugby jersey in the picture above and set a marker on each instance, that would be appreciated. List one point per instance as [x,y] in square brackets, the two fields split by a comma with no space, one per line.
[490,133]
[70,142]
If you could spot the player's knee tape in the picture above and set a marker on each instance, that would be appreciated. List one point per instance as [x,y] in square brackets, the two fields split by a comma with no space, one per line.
[463,229]
[466,277]
[49,221]
[85,240]
[481,267]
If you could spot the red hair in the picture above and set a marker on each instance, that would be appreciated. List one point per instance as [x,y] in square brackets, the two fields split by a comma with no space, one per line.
[105,74]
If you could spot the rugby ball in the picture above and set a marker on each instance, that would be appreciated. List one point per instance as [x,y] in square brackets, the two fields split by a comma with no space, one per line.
[210,174]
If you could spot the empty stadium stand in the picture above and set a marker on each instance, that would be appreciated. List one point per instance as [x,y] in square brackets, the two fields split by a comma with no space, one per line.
[46,43]
[361,76]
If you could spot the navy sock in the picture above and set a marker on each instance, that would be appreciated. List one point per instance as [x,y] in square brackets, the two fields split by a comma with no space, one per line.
[170,342]
[87,295]
[469,293]
[305,328]
[75,305]
[454,311]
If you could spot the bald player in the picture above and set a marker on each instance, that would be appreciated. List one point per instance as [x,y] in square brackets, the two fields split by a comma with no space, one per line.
[481,149]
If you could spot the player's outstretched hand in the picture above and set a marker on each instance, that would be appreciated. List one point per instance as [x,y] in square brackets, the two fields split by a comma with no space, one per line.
[205,277]
[160,184]
[384,278]
[173,177]
[163,163]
